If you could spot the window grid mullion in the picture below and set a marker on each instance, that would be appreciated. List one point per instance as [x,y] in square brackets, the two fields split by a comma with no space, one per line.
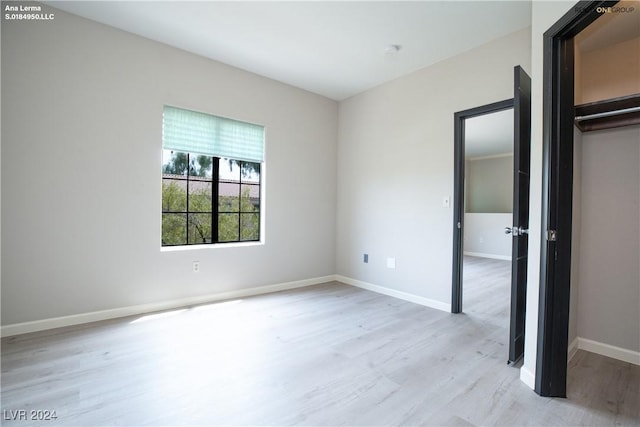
[259,200]
[241,164]
[188,188]
[215,192]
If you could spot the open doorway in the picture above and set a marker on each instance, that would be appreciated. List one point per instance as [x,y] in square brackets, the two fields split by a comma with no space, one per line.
[488,208]
[520,105]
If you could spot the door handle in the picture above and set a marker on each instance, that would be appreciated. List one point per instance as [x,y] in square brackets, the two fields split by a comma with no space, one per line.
[516,231]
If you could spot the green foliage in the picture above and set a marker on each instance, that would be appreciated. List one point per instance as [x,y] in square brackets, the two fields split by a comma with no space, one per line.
[174,198]
[174,229]
[200,166]
[177,165]
[246,168]
[199,228]
[180,162]
[232,224]
[250,226]
[238,216]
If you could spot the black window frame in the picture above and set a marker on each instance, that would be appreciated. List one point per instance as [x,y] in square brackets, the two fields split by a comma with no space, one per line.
[215,212]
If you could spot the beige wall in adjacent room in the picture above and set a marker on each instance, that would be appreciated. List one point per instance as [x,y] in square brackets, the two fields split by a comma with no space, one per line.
[484,235]
[489,185]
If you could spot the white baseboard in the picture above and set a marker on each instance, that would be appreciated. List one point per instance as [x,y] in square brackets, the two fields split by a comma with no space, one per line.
[614,352]
[492,256]
[77,319]
[573,349]
[578,343]
[528,378]
[396,294]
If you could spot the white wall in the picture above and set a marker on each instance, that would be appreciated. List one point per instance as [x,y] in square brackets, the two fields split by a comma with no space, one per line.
[395,165]
[484,235]
[609,271]
[81,192]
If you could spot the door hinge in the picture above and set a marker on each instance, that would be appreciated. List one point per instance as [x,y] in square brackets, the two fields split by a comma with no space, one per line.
[551,235]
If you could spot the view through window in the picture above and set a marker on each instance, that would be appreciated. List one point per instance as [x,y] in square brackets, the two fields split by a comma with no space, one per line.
[209,198]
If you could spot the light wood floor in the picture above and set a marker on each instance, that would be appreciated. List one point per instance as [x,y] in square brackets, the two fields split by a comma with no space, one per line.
[326,355]
[486,289]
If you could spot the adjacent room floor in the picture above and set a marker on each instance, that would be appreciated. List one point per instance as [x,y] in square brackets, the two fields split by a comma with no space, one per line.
[326,355]
[486,289]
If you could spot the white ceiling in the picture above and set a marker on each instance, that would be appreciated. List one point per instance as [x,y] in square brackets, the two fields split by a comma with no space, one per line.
[333,48]
[489,134]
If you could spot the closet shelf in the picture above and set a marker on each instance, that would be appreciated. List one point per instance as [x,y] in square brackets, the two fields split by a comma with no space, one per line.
[610,113]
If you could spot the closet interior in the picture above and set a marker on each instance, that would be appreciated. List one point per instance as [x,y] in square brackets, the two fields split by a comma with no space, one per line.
[605,276]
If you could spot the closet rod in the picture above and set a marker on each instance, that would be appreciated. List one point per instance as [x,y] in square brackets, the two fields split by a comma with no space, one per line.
[607,114]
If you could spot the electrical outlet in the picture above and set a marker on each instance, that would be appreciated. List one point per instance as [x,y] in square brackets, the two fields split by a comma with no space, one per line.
[391,262]
[196,266]
[365,258]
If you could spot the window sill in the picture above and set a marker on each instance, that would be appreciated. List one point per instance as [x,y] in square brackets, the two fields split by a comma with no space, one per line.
[210,246]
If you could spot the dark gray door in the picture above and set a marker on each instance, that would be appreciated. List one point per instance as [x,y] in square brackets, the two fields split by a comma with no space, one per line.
[520,228]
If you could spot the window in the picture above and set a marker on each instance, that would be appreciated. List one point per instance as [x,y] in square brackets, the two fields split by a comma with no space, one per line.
[211,178]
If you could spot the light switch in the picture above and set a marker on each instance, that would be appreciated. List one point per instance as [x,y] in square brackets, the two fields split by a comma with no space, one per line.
[391,262]
[446,202]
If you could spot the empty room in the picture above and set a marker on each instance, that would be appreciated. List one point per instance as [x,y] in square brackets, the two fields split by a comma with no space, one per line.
[320,213]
